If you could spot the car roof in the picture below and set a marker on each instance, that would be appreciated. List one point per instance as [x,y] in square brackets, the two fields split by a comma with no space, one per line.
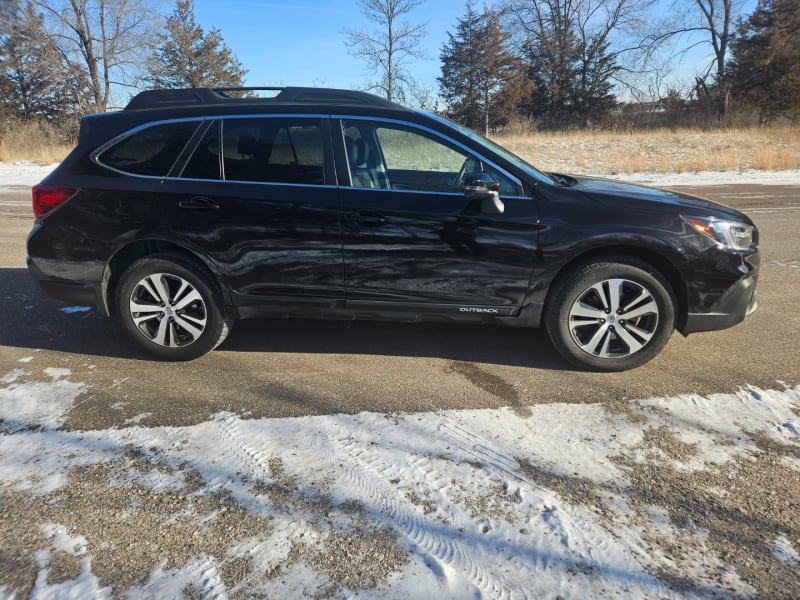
[292,96]
[193,103]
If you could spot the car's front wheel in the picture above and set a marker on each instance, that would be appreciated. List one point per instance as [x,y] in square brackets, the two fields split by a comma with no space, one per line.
[610,314]
[171,307]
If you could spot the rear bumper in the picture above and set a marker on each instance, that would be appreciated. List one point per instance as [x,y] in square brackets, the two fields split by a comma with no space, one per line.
[70,291]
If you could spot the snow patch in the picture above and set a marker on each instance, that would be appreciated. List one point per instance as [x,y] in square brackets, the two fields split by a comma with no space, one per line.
[71,310]
[57,373]
[61,541]
[708,178]
[86,585]
[38,403]
[138,418]
[784,551]
[23,173]
[481,501]
[13,375]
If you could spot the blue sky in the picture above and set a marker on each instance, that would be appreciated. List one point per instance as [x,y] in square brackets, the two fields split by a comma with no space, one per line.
[285,43]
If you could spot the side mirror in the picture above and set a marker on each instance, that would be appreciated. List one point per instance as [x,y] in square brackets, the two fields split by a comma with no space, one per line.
[484,187]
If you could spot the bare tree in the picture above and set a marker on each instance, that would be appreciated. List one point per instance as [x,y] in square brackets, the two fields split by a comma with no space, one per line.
[714,21]
[7,10]
[107,40]
[578,51]
[388,47]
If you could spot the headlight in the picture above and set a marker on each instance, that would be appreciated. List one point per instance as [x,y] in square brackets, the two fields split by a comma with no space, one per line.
[728,234]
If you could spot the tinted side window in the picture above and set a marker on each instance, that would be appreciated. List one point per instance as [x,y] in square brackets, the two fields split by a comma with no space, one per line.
[409,151]
[403,158]
[151,151]
[274,150]
[204,163]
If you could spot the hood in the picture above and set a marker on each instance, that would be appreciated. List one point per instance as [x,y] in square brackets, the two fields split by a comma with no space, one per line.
[607,190]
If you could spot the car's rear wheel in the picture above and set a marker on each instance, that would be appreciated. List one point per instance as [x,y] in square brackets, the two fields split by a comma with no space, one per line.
[170,306]
[610,314]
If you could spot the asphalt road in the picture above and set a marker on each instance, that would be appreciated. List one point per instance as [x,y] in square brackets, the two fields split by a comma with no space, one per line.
[292,368]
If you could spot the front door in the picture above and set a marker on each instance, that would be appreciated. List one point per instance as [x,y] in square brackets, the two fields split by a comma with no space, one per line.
[411,238]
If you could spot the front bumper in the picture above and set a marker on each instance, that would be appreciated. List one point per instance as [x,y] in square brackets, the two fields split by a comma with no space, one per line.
[727,297]
[740,302]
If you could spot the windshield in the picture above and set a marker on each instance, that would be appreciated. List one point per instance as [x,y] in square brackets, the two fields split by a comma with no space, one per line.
[494,147]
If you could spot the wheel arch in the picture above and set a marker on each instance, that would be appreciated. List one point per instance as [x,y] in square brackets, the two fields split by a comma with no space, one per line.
[130,253]
[649,256]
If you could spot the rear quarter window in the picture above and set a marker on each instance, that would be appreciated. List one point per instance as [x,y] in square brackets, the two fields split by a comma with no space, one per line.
[151,151]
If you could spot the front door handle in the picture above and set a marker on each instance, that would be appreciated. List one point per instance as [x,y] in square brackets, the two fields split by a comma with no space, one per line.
[366,217]
[199,203]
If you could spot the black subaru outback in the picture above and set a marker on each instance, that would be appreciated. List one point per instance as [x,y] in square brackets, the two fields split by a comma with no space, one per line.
[190,209]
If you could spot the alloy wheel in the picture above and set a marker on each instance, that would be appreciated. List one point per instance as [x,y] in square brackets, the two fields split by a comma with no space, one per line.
[613,318]
[168,310]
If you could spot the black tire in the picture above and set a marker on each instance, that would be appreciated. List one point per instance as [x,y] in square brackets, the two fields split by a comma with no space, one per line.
[179,302]
[610,314]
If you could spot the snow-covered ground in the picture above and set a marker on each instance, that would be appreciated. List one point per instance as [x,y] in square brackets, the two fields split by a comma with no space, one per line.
[553,501]
[23,173]
[27,174]
[679,497]
[707,178]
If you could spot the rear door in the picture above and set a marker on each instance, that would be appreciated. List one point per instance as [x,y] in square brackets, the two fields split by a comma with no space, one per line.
[258,198]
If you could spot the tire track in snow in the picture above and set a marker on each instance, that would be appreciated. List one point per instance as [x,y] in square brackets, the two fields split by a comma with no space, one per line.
[208,581]
[251,460]
[587,545]
[370,476]
[552,513]
[480,449]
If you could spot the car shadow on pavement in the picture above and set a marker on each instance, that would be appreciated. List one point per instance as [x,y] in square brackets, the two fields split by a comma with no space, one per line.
[491,344]
[30,320]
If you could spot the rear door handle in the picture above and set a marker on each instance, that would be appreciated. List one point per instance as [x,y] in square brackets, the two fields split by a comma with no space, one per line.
[199,203]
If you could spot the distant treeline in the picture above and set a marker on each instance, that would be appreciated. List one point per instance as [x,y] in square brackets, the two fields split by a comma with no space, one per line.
[518,65]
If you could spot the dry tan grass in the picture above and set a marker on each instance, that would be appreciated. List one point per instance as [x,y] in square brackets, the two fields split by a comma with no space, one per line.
[662,151]
[33,141]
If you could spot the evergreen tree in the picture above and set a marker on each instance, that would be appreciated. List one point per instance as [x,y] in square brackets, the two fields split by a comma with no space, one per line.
[33,82]
[766,60]
[188,57]
[571,66]
[481,79]
[553,61]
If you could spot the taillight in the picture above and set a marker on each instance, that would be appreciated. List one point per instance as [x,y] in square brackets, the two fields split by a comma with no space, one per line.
[47,198]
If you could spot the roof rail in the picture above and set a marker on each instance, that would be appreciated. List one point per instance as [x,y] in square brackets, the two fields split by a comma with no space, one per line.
[169,98]
[256,88]
[174,98]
